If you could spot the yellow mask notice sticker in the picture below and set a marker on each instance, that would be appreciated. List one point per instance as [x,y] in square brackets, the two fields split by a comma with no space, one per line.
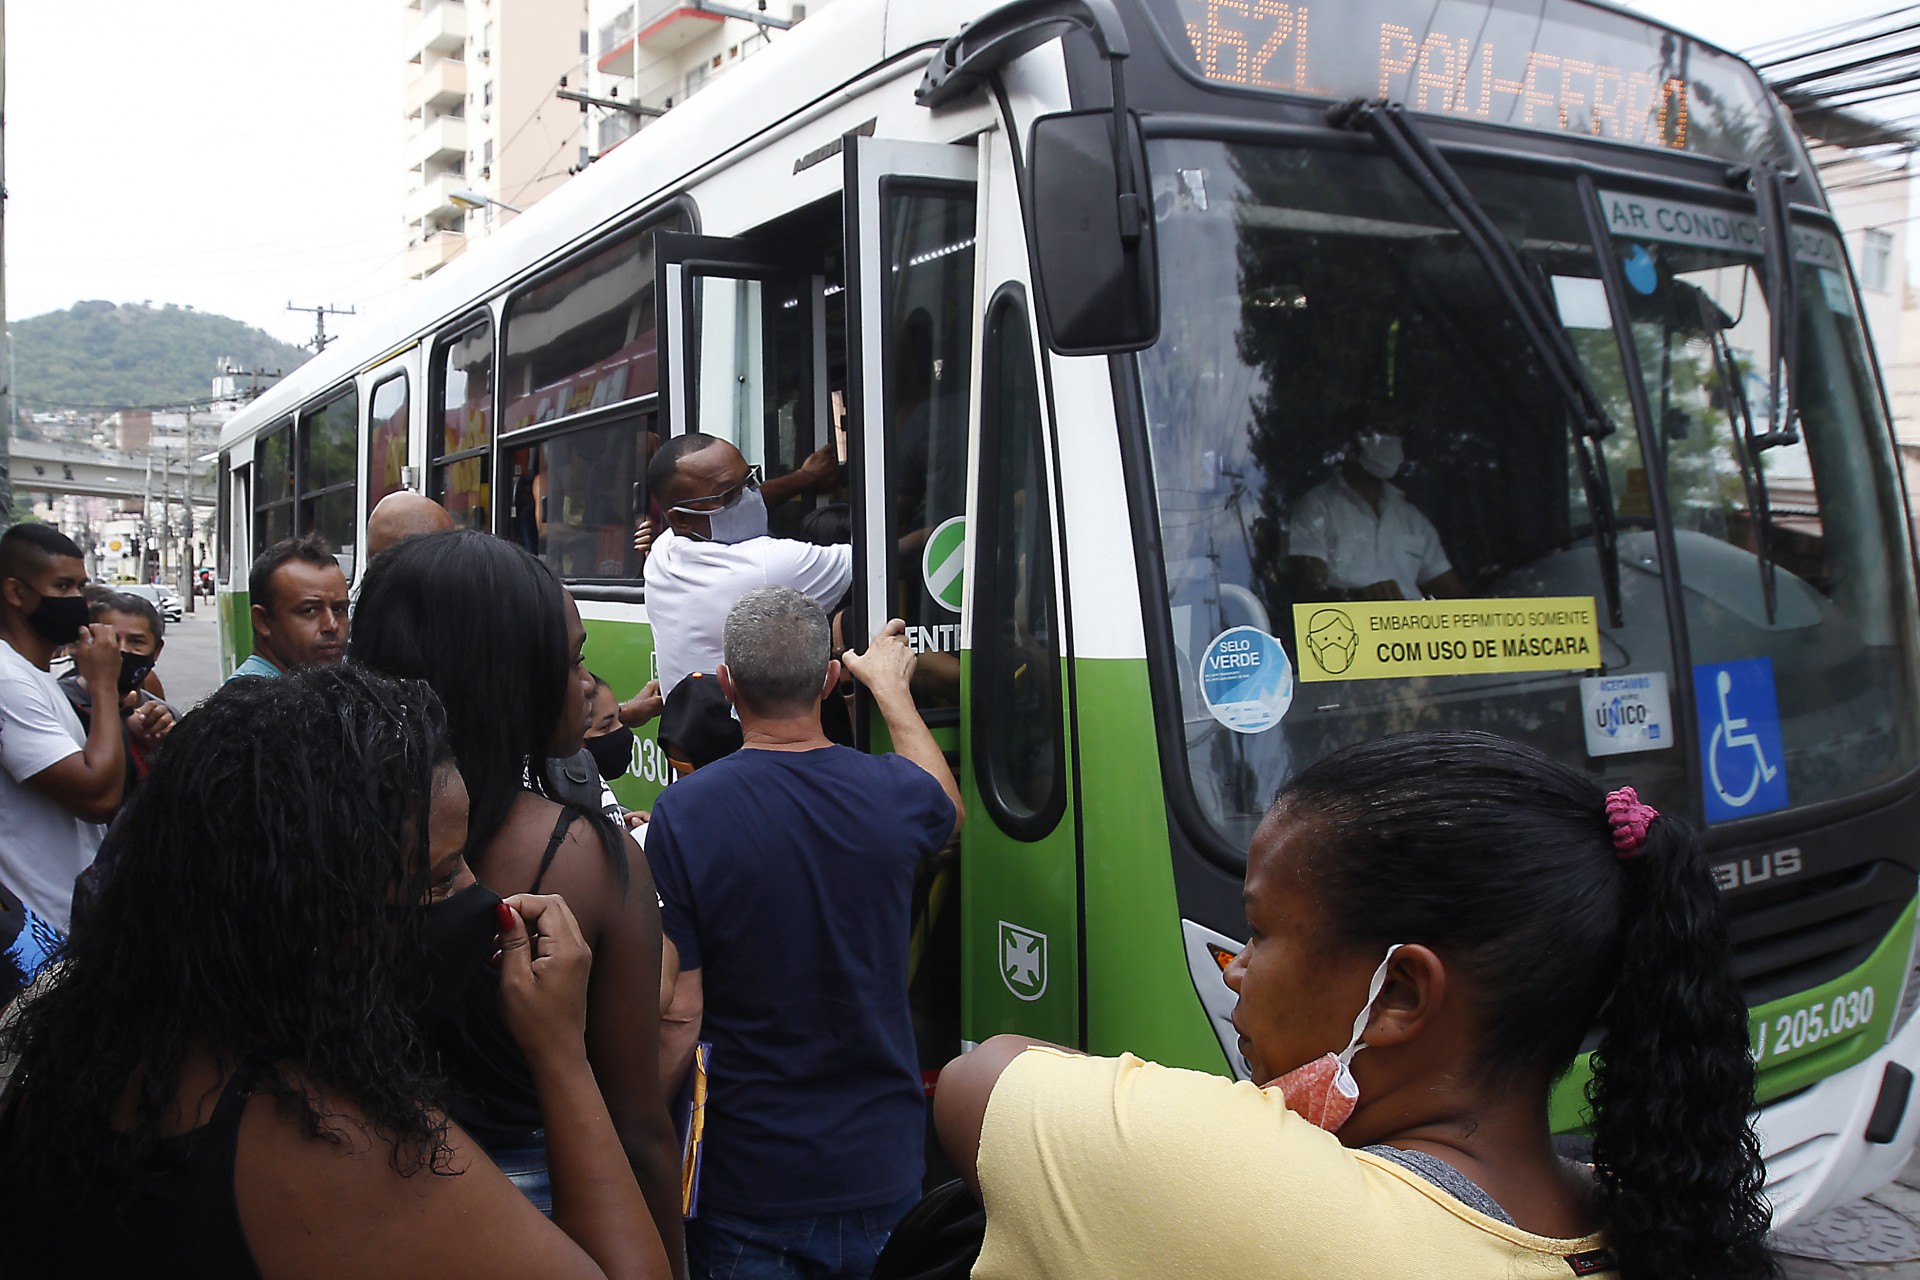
[1385,639]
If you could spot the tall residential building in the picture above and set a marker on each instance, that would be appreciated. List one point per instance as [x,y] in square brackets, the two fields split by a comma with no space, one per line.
[655,53]
[481,116]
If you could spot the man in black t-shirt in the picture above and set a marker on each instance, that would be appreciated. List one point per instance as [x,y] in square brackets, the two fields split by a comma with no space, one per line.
[787,871]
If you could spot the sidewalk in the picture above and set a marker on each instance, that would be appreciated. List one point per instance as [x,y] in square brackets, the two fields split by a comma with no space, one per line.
[1875,1237]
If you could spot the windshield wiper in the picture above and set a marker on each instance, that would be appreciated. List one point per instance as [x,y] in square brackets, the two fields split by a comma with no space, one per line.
[1783,362]
[1746,441]
[1389,123]
[1783,297]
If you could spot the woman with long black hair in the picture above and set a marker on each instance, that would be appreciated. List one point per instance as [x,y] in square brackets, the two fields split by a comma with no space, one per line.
[1436,922]
[491,630]
[224,1078]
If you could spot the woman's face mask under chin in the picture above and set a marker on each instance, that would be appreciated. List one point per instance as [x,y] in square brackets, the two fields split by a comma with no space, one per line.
[1323,1090]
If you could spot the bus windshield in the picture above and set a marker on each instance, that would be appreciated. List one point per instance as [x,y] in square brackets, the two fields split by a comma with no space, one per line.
[1367,481]
[1820,515]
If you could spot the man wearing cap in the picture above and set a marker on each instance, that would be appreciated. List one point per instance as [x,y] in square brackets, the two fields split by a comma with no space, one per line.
[786,872]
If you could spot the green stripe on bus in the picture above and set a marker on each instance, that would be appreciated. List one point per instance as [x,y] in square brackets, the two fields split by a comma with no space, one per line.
[1141,997]
[1825,1029]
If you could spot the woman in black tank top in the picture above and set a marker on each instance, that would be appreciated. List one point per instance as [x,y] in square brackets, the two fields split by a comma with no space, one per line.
[491,630]
[224,1076]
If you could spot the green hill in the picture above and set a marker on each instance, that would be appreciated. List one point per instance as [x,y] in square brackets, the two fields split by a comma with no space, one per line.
[97,355]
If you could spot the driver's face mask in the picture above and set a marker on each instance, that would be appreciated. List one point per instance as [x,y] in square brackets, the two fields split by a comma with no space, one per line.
[1324,1090]
[1381,456]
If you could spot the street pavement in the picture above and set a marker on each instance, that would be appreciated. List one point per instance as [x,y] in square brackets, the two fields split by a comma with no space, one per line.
[1884,1225]
[189,667]
[1890,1218]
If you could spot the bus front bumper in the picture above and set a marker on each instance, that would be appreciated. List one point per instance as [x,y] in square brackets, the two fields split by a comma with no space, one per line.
[1816,1141]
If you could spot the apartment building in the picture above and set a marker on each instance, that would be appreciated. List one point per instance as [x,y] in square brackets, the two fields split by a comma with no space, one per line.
[485,133]
[655,53]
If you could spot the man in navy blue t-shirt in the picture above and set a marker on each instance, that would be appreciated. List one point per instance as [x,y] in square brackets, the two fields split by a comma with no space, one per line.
[787,873]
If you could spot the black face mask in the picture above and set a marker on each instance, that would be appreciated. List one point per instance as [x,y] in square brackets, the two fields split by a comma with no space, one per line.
[58,619]
[612,752]
[459,933]
[134,668]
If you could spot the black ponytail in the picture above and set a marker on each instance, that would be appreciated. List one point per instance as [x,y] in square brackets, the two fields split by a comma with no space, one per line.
[1679,1170]
[1502,860]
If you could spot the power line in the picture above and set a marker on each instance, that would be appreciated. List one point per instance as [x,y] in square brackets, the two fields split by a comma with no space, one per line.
[1852,42]
[1767,48]
[544,173]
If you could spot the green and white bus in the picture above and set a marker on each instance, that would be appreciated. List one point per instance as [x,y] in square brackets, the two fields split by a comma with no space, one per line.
[1103,285]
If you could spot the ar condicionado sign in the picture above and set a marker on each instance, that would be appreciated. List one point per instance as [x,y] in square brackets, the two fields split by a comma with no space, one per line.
[1381,640]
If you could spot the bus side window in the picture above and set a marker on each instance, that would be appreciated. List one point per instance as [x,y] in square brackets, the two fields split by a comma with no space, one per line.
[754,386]
[329,446]
[578,387]
[387,450]
[273,487]
[1018,750]
[225,482]
[577,496]
[460,441]
[929,369]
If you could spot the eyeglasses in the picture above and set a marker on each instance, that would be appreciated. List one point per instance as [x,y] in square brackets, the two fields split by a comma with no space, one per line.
[724,500]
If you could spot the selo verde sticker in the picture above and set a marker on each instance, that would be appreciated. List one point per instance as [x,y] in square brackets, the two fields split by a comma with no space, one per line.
[1246,680]
[943,562]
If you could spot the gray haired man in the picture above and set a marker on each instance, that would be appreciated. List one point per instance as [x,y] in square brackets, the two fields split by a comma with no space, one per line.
[787,873]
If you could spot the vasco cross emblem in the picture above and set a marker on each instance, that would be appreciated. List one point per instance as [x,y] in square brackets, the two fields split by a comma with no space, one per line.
[1023,961]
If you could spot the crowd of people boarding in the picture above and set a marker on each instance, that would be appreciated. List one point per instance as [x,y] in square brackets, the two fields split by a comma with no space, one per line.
[359,966]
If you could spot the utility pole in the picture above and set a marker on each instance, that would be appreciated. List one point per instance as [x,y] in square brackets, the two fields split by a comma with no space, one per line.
[6,341]
[320,314]
[253,376]
[146,514]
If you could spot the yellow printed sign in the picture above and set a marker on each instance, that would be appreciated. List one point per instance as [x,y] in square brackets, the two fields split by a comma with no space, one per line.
[1385,639]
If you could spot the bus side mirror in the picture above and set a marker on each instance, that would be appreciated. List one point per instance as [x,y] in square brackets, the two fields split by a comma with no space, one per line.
[1091,235]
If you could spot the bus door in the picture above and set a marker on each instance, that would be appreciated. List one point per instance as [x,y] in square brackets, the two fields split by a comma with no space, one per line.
[742,329]
[912,215]
[996,936]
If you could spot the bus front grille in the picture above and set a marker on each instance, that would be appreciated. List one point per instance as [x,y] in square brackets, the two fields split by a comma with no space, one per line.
[1804,932]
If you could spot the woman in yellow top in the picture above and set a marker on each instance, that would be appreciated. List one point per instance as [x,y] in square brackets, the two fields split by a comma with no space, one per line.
[1481,908]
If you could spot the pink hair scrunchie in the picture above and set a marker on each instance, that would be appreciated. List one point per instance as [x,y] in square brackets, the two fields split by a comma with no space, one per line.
[1629,820]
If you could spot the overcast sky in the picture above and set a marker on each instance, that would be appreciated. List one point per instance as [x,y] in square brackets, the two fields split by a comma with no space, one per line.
[231,155]
[235,155]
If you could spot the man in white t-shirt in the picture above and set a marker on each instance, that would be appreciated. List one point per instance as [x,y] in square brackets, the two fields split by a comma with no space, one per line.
[716,547]
[1355,536]
[58,783]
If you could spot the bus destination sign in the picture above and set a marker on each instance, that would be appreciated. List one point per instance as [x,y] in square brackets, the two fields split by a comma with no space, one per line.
[1553,65]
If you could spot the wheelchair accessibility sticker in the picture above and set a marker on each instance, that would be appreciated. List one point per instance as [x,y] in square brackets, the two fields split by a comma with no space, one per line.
[1740,752]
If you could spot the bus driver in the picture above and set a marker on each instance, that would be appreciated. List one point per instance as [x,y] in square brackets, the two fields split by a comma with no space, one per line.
[1355,536]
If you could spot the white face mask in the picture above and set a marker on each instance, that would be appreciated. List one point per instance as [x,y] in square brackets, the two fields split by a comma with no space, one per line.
[745,520]
[1380,456]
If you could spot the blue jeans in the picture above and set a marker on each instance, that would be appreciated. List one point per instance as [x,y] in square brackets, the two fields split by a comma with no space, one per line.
[823,1246]
[526,1168]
